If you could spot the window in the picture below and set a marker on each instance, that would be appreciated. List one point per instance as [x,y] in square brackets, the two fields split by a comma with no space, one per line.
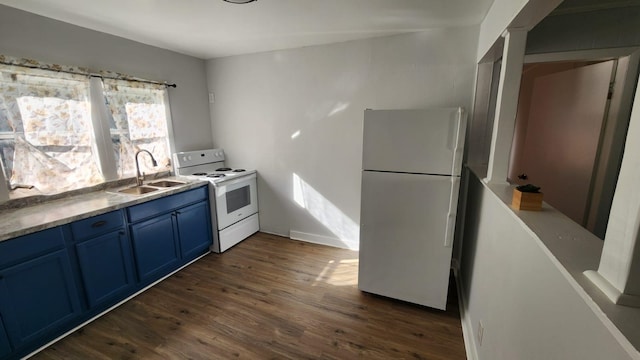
[50,132]
[137,121]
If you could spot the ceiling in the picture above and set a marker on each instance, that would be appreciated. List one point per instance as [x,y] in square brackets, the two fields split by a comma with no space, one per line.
[213,28]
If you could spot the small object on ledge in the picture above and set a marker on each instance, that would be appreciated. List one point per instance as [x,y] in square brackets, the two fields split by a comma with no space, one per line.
[527,197]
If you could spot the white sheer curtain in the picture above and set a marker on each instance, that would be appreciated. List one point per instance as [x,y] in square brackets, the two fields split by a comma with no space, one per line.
[48,115]
[61,131]
[139,121]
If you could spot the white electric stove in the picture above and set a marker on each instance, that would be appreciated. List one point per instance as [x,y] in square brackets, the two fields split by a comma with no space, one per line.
[232,193]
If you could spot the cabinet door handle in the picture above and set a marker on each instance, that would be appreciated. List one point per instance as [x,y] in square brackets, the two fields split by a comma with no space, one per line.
[98,224]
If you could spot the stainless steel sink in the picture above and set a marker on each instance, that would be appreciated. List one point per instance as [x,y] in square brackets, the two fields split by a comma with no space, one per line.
[166,183]
[137,190]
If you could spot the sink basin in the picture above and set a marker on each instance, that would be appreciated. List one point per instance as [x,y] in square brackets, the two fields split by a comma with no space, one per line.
[137,190]
[166,183]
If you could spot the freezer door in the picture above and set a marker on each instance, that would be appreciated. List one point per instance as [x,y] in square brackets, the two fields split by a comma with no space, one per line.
[426,141]
[404,250]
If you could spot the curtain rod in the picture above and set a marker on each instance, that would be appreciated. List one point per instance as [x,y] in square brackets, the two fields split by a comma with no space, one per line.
[91,74]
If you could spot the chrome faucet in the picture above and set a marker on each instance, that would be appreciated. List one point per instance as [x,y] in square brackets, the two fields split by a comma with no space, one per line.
[140,178]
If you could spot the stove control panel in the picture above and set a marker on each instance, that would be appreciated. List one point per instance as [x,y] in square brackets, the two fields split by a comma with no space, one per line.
[198,157]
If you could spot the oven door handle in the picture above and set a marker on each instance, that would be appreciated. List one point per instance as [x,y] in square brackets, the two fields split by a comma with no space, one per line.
[236,180]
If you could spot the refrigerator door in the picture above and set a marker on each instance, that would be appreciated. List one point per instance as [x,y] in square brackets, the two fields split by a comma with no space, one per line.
[404,250]
[414,141]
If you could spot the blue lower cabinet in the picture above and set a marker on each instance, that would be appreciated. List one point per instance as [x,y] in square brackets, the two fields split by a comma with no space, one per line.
[194,229]
[38,298]
[5,346]
[55,279]
[155,247]
[106,268]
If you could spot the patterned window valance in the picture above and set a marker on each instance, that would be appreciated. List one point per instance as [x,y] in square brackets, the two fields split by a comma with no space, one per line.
[44,69]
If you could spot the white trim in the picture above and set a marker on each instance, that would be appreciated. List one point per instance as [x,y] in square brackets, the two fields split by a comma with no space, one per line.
[323,240]
[612,142]
[272,232]
[595,54]
[506,106]
[170,136]
[620,258]
[616,296]
[467,327]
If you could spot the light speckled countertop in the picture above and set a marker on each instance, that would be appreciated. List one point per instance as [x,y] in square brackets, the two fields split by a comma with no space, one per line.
[20,221]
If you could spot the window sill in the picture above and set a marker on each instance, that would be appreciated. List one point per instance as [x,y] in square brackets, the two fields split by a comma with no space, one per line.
[20,198]
[573,250]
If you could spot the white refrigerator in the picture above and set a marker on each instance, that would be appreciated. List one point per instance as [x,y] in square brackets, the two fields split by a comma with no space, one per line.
[411,167]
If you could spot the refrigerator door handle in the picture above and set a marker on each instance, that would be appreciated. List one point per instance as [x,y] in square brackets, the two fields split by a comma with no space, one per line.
[451,214]
[458,139]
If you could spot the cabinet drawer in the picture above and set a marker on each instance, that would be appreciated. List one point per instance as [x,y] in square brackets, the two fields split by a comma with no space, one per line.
[28,246]
[166,204]
[97,225]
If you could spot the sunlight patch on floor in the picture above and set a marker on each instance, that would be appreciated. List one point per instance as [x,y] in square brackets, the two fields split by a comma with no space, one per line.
[339,273]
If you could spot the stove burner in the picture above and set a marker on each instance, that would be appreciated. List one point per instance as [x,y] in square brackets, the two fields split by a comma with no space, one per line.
[199,174]
[239,170]
[223,169]
[216,175]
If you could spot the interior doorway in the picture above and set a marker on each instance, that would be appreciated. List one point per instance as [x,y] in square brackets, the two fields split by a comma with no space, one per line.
[569,135]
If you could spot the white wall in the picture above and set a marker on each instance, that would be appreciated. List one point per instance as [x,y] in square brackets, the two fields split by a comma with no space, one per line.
[319,93]
[500,14]
[27,35]
[527,307]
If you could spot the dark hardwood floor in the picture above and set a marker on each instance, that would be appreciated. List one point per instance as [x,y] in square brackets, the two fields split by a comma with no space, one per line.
[267,298]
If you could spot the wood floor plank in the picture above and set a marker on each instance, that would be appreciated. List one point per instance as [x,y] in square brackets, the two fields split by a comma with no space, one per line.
[267,298]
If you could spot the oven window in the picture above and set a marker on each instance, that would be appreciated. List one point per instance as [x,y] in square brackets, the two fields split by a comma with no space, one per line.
[238,198]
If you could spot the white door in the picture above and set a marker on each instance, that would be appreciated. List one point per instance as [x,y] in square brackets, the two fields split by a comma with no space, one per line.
[426,141]
[405,236]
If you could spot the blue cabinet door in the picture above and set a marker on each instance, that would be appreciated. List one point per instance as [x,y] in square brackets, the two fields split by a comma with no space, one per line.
[194,229]
[106,268]
[38,297]
[5,347]
[155,247]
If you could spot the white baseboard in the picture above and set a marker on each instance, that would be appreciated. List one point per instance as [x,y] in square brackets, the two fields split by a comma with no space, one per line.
[323,240]
[467,326]
[274,232]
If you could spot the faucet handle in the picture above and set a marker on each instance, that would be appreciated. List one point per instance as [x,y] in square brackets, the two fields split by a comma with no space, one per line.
[140,179]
